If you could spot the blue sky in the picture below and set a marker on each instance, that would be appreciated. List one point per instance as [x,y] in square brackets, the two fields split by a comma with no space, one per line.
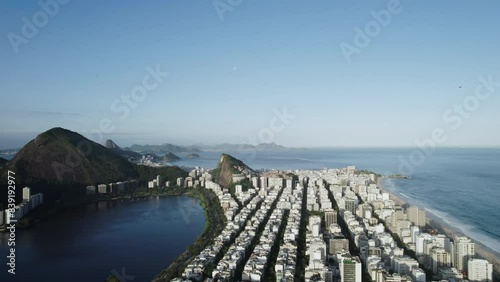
[228,77]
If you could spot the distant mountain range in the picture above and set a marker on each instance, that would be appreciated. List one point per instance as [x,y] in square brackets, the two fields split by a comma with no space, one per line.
[225,147]
[161,149]
[135,152]
[237,147]
[129,155]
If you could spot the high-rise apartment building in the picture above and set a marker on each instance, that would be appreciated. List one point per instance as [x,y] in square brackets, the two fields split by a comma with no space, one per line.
[464,250]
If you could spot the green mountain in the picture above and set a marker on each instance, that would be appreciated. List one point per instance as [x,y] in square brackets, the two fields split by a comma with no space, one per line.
[62,156]
[59,156]
[60,163]
[226,167]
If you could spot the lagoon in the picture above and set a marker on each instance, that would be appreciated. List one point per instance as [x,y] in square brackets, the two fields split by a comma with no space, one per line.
[88,243]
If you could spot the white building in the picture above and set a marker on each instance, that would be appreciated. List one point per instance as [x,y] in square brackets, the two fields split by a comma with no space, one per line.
[464,250]
[26,194]
[238,189]
[418,275]
[255,182]
[416,216]
[440,259]
[263,182]
[102,188]
[180,182]
[350,270]
[480,270]
[330,217]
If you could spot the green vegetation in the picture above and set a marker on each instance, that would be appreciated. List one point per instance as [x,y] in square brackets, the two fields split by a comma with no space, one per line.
[368,172]
[294,177]
[377,175]
[147,173]
[245,183]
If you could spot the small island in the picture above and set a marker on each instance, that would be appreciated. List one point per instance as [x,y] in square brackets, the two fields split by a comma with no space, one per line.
[193,156]
[170,157]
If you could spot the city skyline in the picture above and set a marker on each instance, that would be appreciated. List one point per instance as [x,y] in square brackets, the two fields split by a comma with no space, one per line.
[230,72]
[237,140]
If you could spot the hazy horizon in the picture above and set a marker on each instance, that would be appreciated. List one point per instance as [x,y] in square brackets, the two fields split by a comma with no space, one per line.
[125,142]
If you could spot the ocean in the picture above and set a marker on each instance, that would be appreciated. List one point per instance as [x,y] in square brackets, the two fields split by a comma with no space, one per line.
[459,185]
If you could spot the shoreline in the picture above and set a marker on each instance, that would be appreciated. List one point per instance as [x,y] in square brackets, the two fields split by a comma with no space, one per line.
[433,221]
[215,222]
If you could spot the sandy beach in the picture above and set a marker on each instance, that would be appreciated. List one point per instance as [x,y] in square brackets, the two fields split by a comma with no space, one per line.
[443,227]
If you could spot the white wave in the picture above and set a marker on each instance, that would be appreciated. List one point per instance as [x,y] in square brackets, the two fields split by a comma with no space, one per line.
[404,195]
[466,229]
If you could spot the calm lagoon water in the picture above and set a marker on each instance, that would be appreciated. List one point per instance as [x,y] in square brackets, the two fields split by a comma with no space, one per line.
[87,243]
